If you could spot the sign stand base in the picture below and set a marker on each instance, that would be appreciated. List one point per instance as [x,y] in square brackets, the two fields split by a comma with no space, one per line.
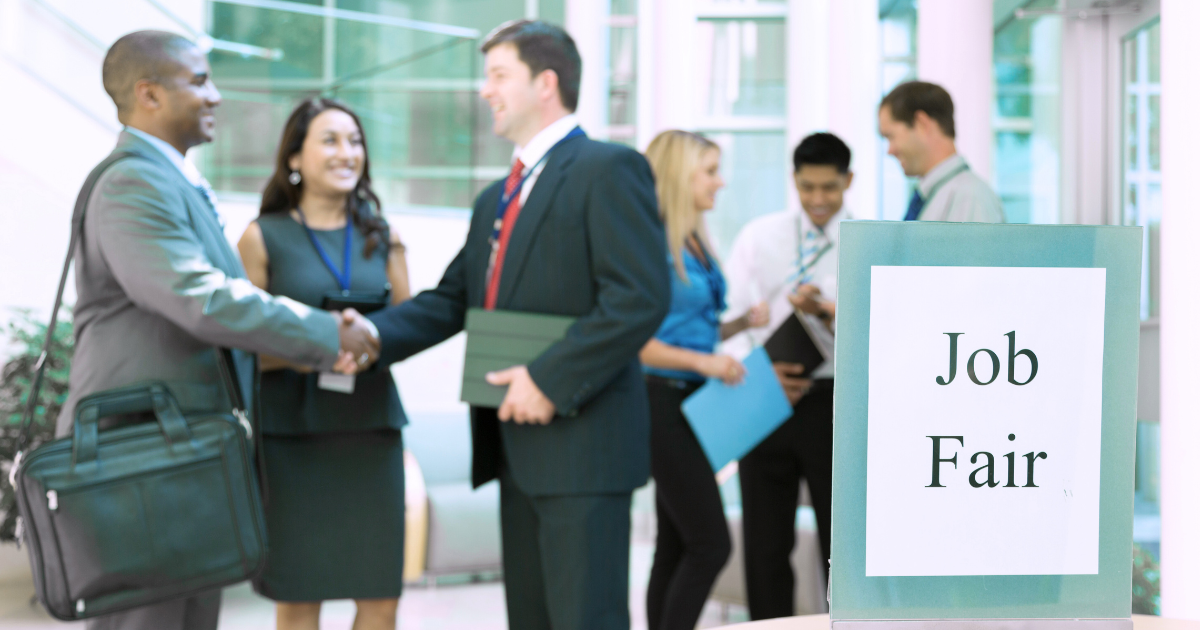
[982,624]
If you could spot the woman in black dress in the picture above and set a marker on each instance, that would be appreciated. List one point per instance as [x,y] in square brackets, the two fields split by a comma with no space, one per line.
[333,453]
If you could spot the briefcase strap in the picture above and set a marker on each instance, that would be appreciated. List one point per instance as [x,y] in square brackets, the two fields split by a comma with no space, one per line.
[224,359]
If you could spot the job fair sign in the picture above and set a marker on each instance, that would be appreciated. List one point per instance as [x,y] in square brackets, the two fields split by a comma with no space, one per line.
[984,422]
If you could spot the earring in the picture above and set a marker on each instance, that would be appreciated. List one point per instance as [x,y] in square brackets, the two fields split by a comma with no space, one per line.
[294,178]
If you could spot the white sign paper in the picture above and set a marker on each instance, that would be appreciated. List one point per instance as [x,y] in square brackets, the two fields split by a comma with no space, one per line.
[938,513]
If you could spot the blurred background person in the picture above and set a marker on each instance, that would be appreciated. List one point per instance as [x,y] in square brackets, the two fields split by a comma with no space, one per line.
[333,452]
[791,258]
[917,118]
[693,537]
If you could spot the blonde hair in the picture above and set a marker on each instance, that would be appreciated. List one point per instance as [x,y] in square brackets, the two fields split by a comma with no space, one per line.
[674,157]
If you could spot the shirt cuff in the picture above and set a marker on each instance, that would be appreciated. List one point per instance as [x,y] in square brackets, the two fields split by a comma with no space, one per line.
[370,324]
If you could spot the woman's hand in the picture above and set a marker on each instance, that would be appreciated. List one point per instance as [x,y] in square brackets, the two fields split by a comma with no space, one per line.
[721,366]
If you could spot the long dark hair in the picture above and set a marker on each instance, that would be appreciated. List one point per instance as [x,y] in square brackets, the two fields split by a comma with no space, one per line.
[281,195]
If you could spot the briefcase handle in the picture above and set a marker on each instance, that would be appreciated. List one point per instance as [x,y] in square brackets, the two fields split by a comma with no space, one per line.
[153,397]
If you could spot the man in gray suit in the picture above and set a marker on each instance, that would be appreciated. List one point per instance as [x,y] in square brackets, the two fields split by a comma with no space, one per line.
[159,287]
[917,118]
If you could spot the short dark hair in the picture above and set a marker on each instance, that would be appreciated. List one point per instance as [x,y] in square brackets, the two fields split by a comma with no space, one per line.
[140,55]
[543,46]
[822,149]
[914,96]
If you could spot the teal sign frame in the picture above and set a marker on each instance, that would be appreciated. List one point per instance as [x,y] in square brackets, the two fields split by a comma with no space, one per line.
[854,597]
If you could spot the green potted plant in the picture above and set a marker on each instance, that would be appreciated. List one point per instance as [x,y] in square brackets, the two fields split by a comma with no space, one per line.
[28,335]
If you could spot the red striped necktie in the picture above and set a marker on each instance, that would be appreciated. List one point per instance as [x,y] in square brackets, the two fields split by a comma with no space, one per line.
[501,246]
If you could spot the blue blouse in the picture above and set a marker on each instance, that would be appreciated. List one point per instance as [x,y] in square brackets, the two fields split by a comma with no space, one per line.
[694,321]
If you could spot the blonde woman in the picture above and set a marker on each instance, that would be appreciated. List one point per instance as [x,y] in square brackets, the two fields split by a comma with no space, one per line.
[693,538]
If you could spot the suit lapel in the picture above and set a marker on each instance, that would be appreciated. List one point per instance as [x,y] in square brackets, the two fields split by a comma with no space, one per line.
[541,198]
[203,217]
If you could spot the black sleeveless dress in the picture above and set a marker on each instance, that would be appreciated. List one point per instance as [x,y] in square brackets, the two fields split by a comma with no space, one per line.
[334,462]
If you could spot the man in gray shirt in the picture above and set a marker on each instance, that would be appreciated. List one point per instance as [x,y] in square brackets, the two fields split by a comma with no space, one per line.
[917,118]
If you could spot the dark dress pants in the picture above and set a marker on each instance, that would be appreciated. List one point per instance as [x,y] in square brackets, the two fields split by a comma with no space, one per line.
[198,612]
[693,538]
[566,559]
[801,448]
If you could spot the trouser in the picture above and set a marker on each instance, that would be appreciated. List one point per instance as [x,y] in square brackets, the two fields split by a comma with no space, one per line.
[566,559]
[802,447]
[693,538]
[198,612]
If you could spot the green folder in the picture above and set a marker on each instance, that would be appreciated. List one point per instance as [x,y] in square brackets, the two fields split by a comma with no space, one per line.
[498,340]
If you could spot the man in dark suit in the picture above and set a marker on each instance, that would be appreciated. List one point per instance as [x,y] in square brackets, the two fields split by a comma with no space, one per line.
[159,286]
[570,442]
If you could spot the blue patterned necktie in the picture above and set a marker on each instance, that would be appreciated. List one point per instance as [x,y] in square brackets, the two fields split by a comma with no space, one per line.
[209,196]
[915,205]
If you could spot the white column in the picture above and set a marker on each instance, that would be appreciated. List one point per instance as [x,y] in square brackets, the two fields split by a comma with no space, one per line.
[669,88]
[954,50]
[854,95]
[646,84]
[833,85]
[1180,311]
[587,22]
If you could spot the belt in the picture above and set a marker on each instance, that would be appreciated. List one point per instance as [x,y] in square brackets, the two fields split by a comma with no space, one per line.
[673,383]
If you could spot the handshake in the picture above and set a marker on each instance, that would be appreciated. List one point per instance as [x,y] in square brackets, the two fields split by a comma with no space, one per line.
[358,342]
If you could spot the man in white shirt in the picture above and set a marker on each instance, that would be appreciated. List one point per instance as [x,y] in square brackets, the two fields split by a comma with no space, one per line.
[789,259]
[917,118]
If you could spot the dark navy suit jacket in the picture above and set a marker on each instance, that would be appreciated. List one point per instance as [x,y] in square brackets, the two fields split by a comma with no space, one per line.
[588,244]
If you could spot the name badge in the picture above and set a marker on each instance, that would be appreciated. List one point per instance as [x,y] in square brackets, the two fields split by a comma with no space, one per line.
[334,382]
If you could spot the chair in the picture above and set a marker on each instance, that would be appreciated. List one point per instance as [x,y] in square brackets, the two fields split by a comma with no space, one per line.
[452,528]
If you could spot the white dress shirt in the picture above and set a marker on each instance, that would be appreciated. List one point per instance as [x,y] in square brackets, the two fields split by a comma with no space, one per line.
[958,195]
[536,149]
[765,265]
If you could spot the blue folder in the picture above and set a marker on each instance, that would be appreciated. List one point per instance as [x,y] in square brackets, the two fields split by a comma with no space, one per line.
[730,420]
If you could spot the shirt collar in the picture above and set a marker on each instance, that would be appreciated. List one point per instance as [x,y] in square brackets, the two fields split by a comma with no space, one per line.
[545,140]
[186,168]
[938,173]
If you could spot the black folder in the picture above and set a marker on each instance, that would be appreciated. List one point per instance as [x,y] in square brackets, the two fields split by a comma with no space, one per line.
[791,343]
[362,302]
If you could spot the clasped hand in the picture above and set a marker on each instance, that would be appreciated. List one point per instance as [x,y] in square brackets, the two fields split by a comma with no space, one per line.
[524,402]
[359,347]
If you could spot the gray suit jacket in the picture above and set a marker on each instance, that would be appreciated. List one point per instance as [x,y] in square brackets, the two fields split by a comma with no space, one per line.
[159,286]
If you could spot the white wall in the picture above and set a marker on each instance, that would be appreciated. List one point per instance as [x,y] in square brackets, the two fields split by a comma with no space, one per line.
[59,124]
[1180,310]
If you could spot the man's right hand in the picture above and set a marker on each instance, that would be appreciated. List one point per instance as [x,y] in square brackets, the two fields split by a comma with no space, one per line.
[789,377]
[358,346]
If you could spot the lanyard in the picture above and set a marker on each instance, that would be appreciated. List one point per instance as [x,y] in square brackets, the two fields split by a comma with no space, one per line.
[343,278]
[506,198]
[933,190]
[803,266]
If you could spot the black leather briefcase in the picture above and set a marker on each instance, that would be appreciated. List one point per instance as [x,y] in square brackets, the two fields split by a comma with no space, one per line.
[143,513]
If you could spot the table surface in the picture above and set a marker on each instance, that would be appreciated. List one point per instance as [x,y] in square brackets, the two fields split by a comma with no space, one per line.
[821,622]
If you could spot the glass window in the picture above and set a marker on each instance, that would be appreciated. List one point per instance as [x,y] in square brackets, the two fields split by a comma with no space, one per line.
[622,72]
[743,69]
[898,63]
[1025,117]
[1141,202]
[742,87]
[755,170]
[415,88]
